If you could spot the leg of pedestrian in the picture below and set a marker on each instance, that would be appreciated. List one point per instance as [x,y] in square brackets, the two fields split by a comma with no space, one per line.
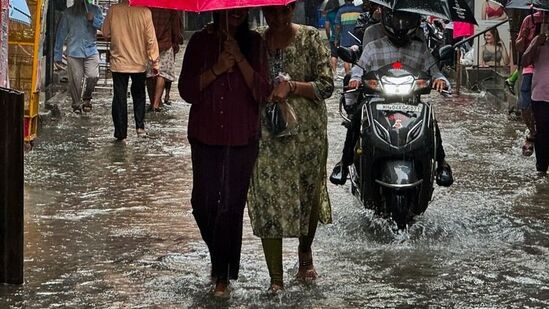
[167,89]
[158,91]
[120,105]
[138,98]
[151,84]
[272,248]
[541,115]
[75,72]
[91,76]
[206,162]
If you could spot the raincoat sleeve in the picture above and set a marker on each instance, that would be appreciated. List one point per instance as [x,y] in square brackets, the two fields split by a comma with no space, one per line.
[62,32]
[150,40]
[431,67]
[363,64]
[323,81]
[193,66]
[97,21]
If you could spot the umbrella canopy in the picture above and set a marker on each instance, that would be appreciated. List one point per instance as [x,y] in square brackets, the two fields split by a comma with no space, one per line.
[519,4]
[19,12]
[207,5]
[542,5]
[454,10]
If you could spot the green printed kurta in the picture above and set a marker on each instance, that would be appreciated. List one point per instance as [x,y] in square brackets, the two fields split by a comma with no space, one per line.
[289,177]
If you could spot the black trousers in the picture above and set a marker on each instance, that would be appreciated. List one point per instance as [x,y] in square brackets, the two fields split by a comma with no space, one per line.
[541,144]
[221,176]
[120,102]
[353,134]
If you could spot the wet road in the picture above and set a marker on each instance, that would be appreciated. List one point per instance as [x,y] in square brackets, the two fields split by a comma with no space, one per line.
[110,225]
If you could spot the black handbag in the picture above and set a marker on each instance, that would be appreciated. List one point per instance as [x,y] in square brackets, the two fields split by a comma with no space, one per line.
[281,119]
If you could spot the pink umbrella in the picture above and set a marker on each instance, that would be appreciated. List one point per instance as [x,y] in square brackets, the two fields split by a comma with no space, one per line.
[206,5]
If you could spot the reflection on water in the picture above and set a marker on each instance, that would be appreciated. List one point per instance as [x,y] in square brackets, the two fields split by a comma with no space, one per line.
[110,225]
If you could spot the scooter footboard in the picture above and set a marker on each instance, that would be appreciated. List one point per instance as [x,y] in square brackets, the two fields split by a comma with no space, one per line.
[398,174]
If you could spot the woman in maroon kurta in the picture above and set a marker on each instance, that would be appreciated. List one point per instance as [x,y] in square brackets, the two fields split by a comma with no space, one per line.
[224,77]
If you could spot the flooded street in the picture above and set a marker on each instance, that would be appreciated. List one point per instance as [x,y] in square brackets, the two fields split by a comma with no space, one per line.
[109,225]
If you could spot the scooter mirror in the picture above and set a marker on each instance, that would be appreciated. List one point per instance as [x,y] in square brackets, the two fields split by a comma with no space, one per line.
[348,55]
[446,53]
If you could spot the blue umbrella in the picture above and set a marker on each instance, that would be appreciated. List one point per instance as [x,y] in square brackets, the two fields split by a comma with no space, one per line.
[19,12]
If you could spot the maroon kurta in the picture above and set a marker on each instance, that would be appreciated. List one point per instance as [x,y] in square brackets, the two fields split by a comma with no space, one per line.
[224,113]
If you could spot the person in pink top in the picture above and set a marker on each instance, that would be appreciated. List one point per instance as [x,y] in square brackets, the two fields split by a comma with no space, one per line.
[537,54]
[529,28]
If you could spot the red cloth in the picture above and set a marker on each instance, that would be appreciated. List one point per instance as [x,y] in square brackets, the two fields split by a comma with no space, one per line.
[491,12]
[225,113]
[463,29]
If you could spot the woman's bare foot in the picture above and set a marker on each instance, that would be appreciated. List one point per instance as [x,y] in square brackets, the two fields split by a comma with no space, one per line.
[276,287]
[306,271]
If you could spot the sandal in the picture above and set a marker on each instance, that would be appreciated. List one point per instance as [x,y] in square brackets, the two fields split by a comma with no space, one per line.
[86,106]
[528,147]
[306,271]
[222,289]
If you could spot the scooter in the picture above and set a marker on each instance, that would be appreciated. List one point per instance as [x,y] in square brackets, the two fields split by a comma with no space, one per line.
[394,164]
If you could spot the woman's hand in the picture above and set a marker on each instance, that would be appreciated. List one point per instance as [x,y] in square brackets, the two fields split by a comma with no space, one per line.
[224,63]
[231,47]
[280,92]
[439,85]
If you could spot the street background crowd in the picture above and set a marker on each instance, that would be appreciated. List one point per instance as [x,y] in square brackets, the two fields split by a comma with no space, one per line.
[286,178]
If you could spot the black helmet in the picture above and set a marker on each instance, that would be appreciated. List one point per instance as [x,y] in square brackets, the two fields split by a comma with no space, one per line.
[399,26]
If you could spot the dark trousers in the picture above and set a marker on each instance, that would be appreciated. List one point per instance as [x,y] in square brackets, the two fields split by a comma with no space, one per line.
[541,116]
[120,102]
[221,176]
[353,134]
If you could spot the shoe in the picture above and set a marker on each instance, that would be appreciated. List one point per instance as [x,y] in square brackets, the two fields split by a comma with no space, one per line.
[339,174]
[86,106]
[444,175]
[141,133]
[167,102]
[510,86]
[77,109]
[222,289]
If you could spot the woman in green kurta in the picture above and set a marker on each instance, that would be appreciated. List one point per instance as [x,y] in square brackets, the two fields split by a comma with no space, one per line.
[288,194]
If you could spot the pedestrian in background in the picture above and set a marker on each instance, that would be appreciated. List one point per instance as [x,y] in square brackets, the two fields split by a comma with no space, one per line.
[167,26]
[346,20]
[133,48]
[330,10]
[224,78]
[78,30]
[537,55]
[529,28]
[288,194]
[167,83]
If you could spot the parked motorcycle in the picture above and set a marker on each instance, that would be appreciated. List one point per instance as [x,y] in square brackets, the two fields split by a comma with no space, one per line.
[394,164]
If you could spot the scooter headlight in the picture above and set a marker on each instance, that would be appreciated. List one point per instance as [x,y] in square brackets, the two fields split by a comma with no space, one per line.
[400,86]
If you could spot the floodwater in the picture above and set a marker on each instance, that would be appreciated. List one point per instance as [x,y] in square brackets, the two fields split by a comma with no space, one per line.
[109,225]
